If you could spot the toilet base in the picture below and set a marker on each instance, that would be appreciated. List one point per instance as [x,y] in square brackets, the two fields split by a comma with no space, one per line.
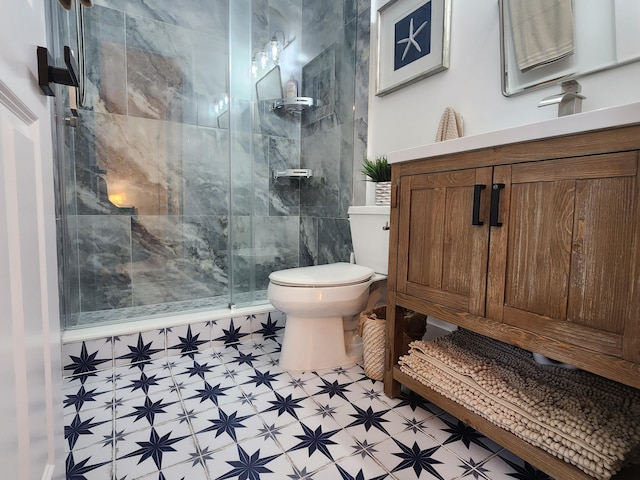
[315,343]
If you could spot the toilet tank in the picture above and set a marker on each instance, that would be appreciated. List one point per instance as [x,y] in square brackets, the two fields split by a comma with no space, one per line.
[370,236]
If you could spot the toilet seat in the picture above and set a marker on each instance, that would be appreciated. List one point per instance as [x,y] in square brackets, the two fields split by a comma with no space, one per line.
[331,275]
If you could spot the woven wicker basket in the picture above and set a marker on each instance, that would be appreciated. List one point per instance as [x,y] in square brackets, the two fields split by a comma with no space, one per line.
[372,329]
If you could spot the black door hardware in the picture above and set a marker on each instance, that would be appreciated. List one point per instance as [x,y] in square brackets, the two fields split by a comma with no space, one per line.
[49,74]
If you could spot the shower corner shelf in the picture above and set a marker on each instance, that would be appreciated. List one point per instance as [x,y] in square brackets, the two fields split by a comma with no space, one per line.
[294,105]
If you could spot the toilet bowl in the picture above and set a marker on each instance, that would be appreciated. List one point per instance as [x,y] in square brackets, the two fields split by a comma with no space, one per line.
[322,302]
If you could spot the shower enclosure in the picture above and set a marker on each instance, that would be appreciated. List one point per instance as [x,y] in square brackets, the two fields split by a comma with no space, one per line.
[167,198]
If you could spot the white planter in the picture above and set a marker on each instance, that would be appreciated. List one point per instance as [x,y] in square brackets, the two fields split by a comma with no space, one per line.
[383,193]
[369,193]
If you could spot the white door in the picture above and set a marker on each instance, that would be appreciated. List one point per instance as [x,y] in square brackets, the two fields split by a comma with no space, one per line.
[31,435]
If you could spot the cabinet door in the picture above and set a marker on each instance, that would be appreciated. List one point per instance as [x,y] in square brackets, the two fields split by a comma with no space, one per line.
[564,262]
[442,256]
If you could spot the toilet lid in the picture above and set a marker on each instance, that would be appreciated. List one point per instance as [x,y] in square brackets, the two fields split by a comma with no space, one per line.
[332,275]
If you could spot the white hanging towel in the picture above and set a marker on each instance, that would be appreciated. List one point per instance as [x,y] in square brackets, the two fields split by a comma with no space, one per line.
[542,31]
[451,125]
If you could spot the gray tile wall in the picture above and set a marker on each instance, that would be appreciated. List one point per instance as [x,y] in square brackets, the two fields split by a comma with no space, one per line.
[148,132]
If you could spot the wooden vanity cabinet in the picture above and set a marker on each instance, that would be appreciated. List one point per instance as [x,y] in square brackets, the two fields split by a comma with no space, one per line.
[535,244]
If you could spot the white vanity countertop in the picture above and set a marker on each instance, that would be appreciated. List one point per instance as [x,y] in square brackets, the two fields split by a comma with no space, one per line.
[581,122]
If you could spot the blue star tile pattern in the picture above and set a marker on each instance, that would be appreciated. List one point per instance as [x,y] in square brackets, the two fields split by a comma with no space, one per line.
[141,352]
[226,424]
[270,329]
[418,459]
[248,466]
[282,424]
[189,344]
[155,447]
[284,405]
[232,336]
[86,364]
[315,440]
[368,418]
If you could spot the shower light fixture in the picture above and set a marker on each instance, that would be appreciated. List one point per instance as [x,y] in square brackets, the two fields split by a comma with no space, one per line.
[275,46]
[269,56]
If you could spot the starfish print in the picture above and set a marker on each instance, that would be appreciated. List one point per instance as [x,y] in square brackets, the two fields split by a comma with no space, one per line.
[411,39]
[460,431]
[155,447]
[368,418]
[316,440]
[248,466]
[78,427]
[226,423]
[76,471]
[144,383]
[232,336]
[79,399]
[141,352]
[210,393]
[148,410]
[418,459]
[85,365]
[473,469]
[284,404]
[189,344]
[334,388]
[263,378]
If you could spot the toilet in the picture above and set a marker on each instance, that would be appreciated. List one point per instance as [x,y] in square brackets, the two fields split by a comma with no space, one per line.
[322,303]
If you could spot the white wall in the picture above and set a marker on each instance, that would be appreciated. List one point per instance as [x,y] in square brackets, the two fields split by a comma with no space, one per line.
[409,117]
[32,436]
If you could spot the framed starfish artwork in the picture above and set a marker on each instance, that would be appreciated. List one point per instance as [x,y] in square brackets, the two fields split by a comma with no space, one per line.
[413,42]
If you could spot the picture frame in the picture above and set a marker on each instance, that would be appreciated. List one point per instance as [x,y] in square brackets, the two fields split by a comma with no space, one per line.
[414,39]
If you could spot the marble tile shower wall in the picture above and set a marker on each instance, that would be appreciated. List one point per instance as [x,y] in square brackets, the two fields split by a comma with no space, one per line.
[148,180]
[333,136]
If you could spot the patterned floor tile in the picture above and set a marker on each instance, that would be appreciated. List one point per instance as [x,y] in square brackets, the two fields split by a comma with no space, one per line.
[231,412]
[315,442]
[152,449]
[251,459]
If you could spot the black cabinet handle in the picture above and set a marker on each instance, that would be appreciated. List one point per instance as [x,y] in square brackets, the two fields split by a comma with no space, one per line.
[495,204]
[477,191]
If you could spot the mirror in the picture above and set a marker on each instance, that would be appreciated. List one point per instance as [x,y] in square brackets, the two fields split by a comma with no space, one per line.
[605,33]
[269,87]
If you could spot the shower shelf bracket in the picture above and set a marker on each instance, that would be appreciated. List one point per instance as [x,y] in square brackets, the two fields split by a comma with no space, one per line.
[295,105]
[293,173]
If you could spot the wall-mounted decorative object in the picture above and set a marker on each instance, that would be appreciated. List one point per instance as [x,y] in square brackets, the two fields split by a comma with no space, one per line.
[413,42]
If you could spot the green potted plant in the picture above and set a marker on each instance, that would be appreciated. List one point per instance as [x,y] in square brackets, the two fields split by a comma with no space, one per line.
[378,172]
